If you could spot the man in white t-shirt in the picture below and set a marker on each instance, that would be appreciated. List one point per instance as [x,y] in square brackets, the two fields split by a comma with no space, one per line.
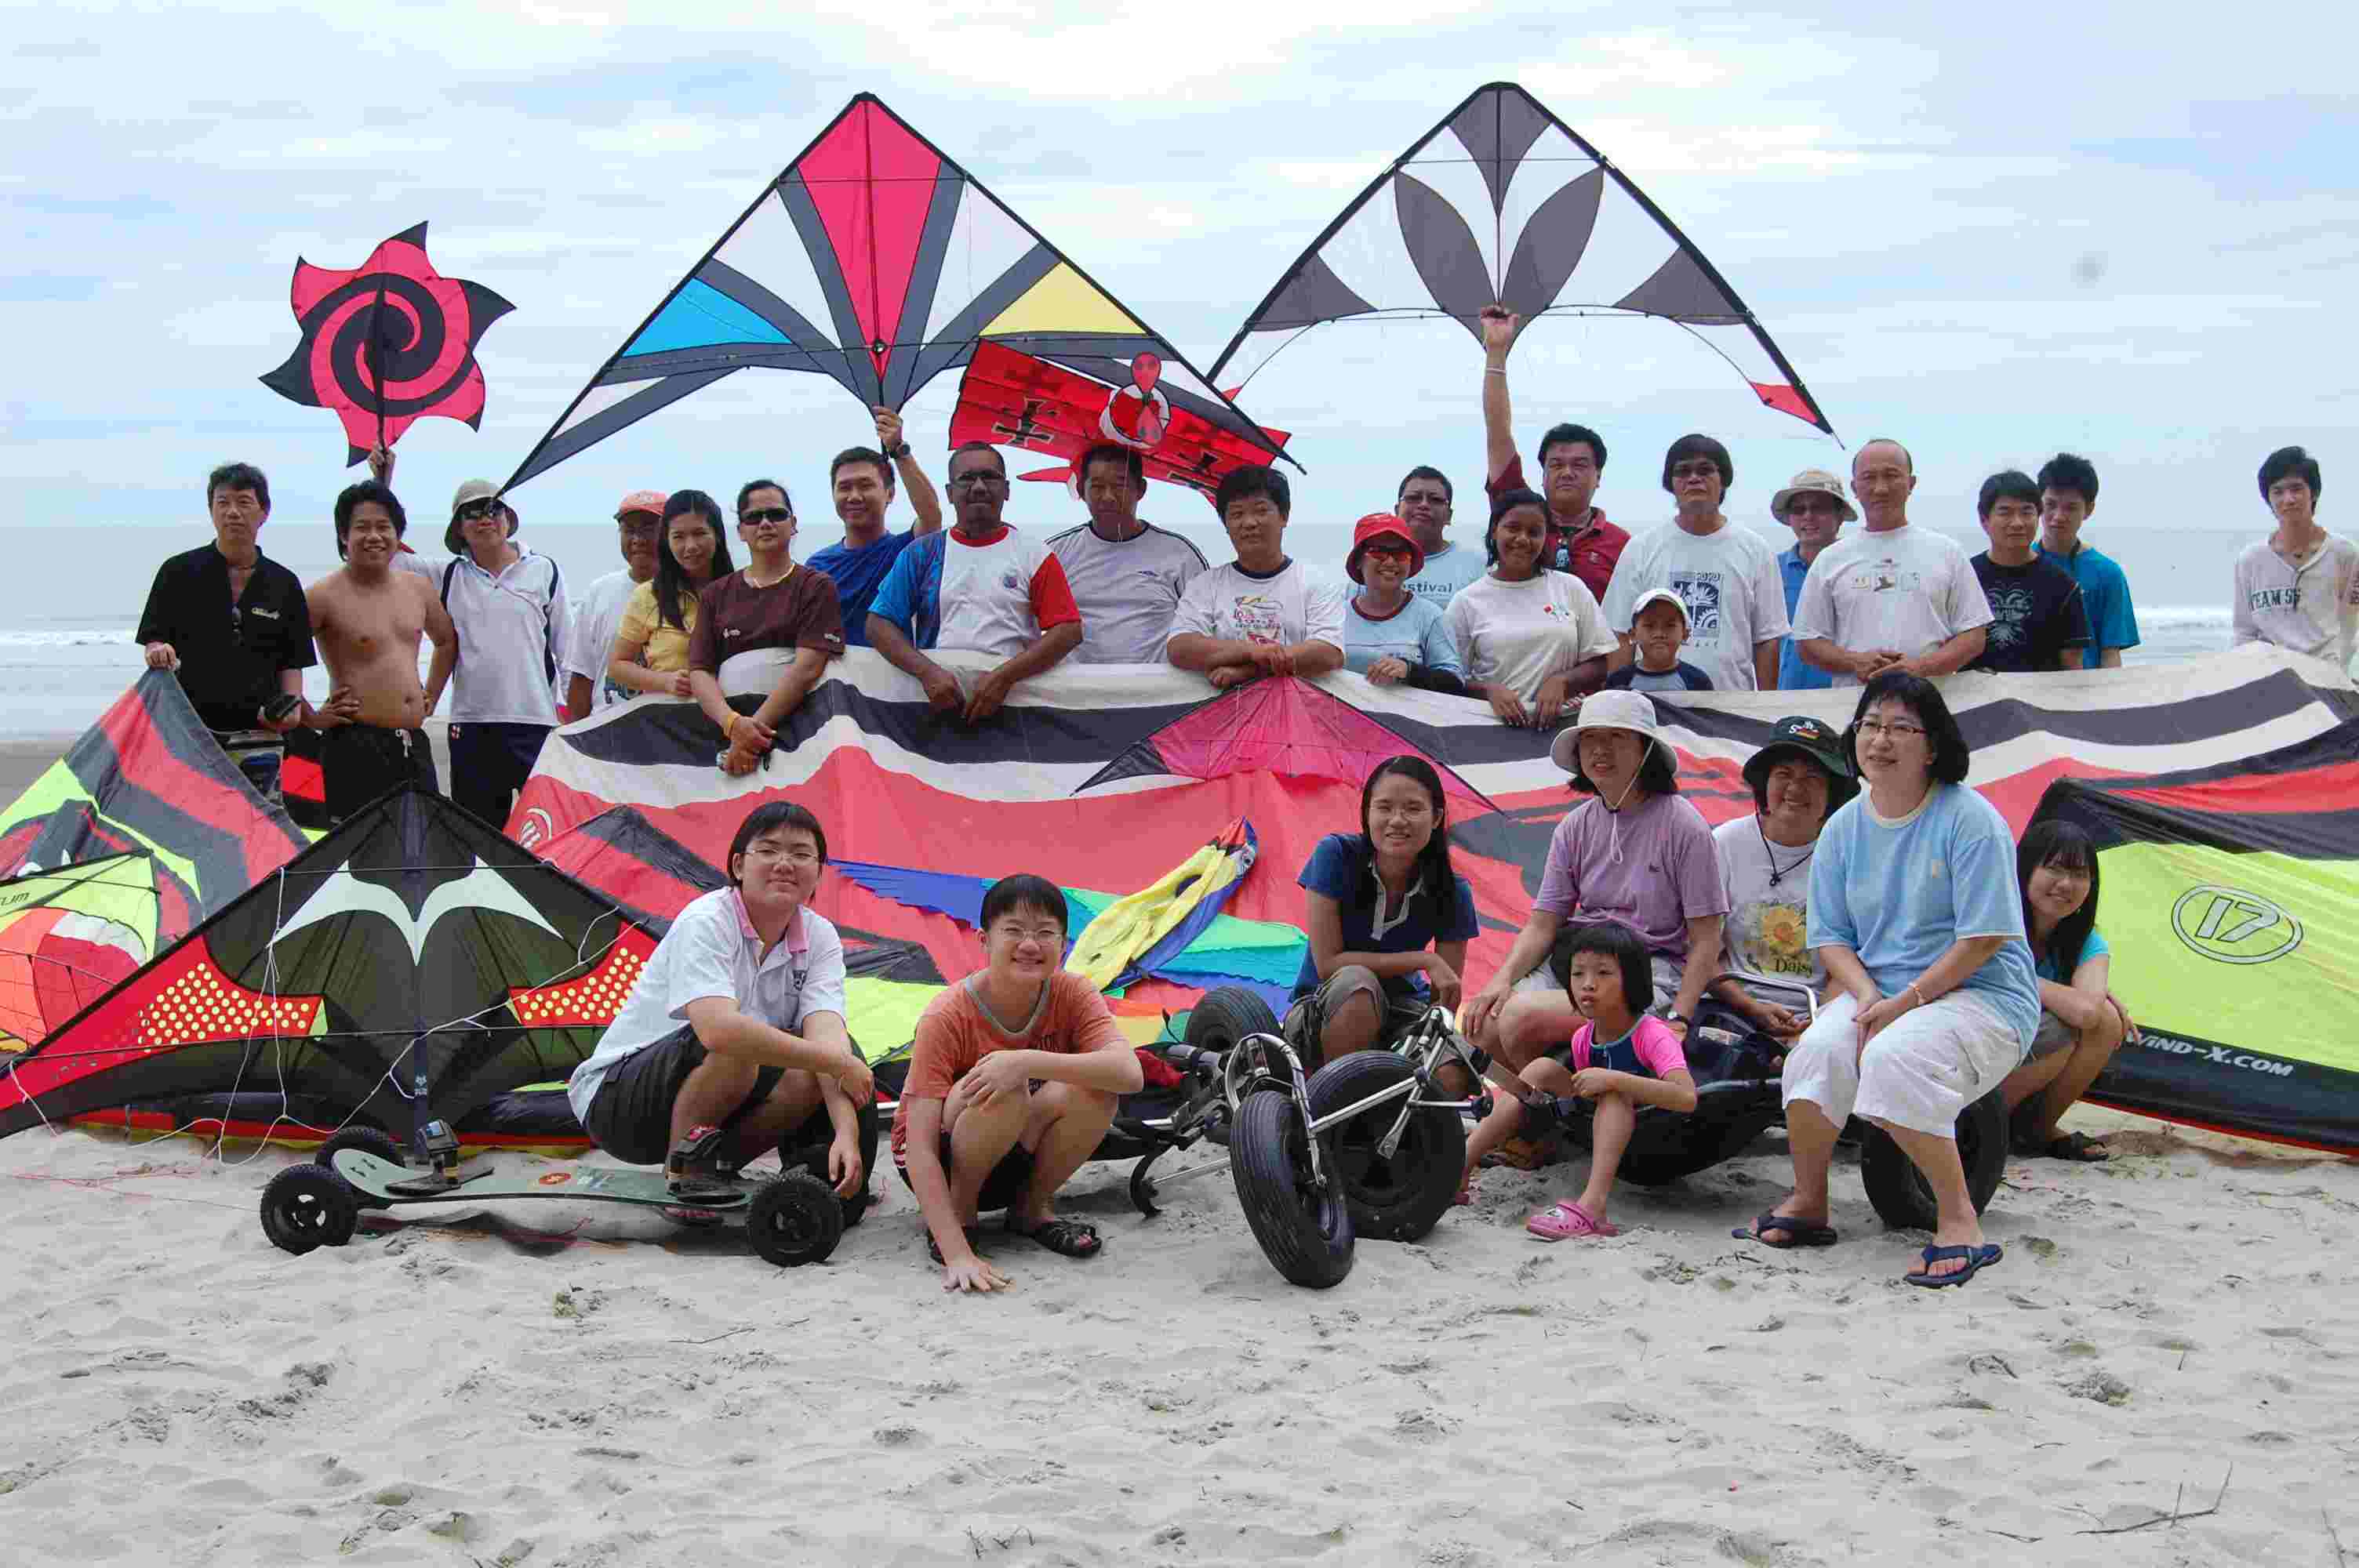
[1126,576]
[2299,587]
[1264,613]
[1890,596]
[1425,502]
[1727,577]
[980,585]
[734,1031]
[599,611]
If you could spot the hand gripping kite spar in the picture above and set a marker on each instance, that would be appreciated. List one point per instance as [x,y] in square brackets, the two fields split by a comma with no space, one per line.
[1503,203]
[389,343]
[875,261]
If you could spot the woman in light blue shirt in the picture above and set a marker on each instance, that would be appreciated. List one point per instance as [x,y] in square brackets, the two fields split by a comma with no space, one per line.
[1390,635]
[1915,913]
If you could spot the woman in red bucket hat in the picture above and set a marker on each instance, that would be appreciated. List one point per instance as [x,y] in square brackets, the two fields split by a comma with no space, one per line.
[1390,635]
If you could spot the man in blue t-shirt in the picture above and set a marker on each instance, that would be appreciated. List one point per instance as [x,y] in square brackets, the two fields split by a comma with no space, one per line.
[861,479]
[1815,508]
[1370,923]
[2067,495]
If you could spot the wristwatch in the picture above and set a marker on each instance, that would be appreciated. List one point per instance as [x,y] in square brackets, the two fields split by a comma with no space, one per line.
[898,451]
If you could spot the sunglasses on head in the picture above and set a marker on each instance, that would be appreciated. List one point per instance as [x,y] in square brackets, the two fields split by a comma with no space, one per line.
[766,515]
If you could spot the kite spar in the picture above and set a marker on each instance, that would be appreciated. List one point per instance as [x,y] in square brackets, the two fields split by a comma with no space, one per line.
[1501,202]
[875,261]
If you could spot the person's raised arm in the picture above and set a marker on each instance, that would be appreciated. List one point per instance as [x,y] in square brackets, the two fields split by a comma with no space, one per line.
[925,502]
[1498,416]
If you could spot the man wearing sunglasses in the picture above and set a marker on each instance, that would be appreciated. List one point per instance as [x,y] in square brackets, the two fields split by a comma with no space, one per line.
[767,630]
[1724,576]
[508,604]
[982,587]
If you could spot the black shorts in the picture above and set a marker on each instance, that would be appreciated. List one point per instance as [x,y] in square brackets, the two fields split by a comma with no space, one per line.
[630,1117]
[359,763]
[1004,1188]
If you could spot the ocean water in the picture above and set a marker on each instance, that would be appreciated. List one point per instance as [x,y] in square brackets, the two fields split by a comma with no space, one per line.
[66,648]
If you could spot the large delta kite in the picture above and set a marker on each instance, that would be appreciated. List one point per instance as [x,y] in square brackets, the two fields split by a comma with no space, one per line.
[877,262]
[1503,203]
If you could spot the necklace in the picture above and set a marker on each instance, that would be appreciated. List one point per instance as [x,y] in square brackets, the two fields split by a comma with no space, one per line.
[1780,873]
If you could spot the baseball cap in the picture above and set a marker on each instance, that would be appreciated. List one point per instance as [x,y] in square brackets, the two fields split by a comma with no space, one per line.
[642,501]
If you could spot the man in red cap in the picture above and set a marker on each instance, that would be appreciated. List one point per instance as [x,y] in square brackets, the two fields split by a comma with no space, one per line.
[1391,635]
[638,521]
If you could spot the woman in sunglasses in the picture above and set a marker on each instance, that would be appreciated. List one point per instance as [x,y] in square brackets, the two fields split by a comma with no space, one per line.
[1915,913]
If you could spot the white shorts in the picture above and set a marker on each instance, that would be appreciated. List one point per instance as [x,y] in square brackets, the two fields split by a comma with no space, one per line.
[1924,1069]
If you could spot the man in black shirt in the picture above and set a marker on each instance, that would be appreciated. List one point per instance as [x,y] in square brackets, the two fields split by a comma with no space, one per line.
[2037,621]
[233,624]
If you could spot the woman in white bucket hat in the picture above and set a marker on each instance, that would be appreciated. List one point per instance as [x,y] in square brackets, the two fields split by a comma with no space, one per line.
[1635,853]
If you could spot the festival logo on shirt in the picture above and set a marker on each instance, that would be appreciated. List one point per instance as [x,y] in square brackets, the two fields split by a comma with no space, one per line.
[1886,576]
[1700,591]
[1259,618]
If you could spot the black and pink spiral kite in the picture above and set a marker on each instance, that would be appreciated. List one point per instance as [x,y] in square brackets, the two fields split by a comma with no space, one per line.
[388,344]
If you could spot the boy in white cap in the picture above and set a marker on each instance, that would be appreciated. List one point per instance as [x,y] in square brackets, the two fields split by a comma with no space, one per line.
[1658,627]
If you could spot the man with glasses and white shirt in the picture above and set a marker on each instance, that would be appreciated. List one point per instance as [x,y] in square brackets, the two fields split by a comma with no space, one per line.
[982,586]
[1890,596]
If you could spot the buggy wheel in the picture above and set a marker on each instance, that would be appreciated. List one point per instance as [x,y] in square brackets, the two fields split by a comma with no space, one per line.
[1306,1233]
[805,1149]
[794,1220]
[305,1206]
[1226,1015]
[1401,1198]
[1898,1190]
[368,1141]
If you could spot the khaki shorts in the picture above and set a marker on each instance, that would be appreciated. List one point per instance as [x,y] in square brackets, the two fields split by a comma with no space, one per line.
[2054,1035]
[1305,1020]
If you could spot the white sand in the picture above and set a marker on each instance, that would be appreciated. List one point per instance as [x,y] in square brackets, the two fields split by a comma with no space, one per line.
[178,1389]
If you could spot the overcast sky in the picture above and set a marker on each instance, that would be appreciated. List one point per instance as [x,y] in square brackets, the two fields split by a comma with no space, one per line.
[1992,233]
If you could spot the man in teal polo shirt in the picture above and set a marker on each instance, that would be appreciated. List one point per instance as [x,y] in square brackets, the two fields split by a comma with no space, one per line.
[2068,494]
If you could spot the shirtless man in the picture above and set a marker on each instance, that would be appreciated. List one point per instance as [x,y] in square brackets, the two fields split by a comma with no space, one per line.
[367,618]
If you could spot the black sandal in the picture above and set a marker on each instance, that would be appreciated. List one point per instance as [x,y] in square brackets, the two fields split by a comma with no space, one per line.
[1066,1237]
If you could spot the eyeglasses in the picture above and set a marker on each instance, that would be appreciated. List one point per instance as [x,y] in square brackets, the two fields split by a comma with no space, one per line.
[1869,727]
[766,515]
[799,854]
[1813,506]
[986,480]
[1696,470]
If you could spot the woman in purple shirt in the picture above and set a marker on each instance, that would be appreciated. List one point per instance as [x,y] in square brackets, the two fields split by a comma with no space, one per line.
[1635,853]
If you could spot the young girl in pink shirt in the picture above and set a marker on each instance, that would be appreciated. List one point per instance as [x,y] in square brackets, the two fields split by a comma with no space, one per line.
[1618,1060]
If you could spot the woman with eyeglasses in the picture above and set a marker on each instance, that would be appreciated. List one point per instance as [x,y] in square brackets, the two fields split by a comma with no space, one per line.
[734,1032]
[1531,641]
[1390,635]
[1914,910]
[651,644]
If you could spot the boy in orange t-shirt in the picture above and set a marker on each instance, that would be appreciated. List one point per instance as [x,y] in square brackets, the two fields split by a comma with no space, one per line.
[1013,1080]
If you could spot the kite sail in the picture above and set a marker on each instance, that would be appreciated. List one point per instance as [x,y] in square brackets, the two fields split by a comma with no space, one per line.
[68,936]
[148,776]
[875,261]
[387,344]
[1011,399]
[1108,779]
[1503,203]
[411,965]
[2230,898]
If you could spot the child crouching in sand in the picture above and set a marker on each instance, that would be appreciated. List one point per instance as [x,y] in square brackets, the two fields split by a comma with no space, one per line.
[1619,1060]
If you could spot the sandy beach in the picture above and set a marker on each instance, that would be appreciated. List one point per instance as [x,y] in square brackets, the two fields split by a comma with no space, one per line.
[576,1385]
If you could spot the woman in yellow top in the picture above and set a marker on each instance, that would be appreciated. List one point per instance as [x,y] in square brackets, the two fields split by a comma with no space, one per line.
[651,644]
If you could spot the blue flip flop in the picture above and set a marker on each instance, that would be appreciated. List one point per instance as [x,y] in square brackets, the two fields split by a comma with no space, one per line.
[1804,1232]
[1977,1259]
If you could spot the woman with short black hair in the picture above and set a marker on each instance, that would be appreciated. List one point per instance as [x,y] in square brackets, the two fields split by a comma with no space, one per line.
[1915,913]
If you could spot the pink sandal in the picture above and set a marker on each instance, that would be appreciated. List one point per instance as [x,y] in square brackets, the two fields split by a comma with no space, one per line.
[1568,1221]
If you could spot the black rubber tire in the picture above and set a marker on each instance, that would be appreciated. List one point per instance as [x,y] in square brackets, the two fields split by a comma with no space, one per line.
[805,1149]
[1306,1236]
[1402,1199]
[1902,1198]
[368,1141]
[305,1206]
[793,1220]
[1226,1015]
